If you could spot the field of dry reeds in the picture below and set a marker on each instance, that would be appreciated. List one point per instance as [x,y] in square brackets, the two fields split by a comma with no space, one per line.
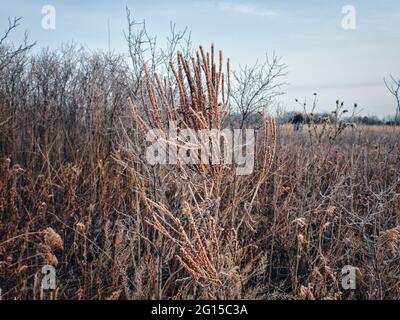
[77,193]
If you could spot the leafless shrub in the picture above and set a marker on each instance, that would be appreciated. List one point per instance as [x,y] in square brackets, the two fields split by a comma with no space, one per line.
[393,86]
[145,51]
[255,86]
[328,127]
[8,53]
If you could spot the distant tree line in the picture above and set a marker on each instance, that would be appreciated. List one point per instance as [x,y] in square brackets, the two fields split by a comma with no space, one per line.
[295,117]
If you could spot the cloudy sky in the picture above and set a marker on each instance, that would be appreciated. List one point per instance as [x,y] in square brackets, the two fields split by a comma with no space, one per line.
[322,56]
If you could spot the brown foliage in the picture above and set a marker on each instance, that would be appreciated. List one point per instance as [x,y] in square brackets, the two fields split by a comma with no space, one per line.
[76,193]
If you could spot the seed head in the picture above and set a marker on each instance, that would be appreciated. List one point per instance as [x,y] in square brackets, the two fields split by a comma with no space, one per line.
[53,239]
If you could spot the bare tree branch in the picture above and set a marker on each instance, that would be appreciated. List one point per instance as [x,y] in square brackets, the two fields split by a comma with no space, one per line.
[256,86]
[394,89]
[8,53]
[144,50]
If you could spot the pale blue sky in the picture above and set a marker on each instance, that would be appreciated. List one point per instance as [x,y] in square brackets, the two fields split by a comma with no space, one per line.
[322,57]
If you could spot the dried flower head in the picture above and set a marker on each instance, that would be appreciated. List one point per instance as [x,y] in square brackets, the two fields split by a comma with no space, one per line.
[51,259]
[53,239]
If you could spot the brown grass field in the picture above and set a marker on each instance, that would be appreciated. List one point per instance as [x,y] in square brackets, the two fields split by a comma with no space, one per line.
[77,194]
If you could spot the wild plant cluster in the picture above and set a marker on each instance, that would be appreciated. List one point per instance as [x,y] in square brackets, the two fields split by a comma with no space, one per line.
[77,193]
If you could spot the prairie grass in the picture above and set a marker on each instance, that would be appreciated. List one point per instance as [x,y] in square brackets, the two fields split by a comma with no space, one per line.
[76,193]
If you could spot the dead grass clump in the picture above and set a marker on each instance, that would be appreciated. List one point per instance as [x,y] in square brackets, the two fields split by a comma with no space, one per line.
[76,191]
